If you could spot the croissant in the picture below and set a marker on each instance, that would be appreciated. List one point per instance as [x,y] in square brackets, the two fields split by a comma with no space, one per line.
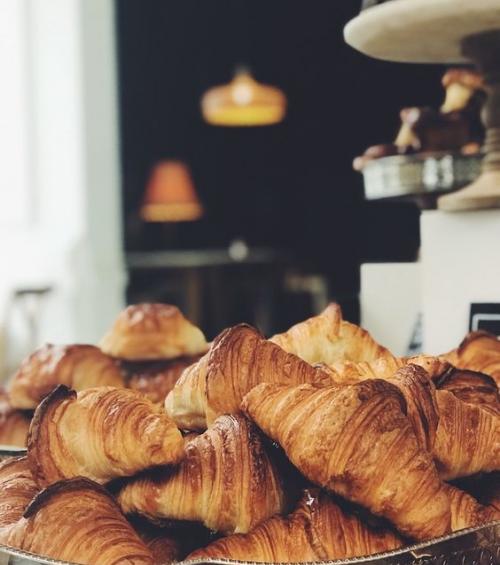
[77,521]
[239,359]
[479,351]
[101,433]
[327,338]
[466,512]
[14,424]
[318,530]
[164,547]
[76,366]
[357,442]
[155,379]
[152,331]
[472,387]
[227,481]
[17,487]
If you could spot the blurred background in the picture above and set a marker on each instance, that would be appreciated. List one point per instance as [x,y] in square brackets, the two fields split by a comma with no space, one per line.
[116,188]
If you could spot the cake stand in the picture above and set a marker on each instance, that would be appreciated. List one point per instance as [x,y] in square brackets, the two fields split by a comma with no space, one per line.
[444,31]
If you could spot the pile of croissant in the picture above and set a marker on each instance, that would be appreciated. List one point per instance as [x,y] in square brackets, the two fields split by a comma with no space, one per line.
[317,444]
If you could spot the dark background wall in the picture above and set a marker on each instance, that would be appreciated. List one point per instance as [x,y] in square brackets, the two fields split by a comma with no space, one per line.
[290,185]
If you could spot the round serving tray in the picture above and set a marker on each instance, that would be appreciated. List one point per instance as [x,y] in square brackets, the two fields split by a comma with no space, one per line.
[422,176]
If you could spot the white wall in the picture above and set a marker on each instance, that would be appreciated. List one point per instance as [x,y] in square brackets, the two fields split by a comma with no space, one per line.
[74,241]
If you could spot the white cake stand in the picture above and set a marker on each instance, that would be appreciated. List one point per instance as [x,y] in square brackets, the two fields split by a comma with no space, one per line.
[444,31]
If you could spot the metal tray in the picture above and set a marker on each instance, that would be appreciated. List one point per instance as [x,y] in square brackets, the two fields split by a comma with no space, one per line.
[420,175]
[474,546]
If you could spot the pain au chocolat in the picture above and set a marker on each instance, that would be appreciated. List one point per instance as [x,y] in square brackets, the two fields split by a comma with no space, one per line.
[76,366]
[151,332]
[101,433]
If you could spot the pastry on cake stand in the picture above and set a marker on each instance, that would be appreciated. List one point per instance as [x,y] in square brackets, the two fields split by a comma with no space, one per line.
[444,31]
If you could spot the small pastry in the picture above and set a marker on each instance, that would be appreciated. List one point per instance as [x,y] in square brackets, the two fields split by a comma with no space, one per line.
[152,332]
[14,424]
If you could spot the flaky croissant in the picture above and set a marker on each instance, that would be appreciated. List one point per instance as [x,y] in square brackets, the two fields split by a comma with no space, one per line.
[357,442]
[162,542]
[153,331]
[227,481]
[327,338]
[101,433]
[18,489]
[76,366]
[14,424]
[479,351]
[318,530]
[239,359]
[77,521]
[467,512]
[155,379]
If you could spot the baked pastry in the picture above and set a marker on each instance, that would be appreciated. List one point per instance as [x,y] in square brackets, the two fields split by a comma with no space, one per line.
[162,542]
[99,433]
[318,530]
[155,379]
[227,481]
[18,489]
[76,366]
[327,338]
[472,387]
[14,424]
[479,351]
[77,521]
[153,331]
[467,512]
[356,442]
[239,359]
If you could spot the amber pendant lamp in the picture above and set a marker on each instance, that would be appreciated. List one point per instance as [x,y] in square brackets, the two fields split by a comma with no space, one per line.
[243,102]
[170,195]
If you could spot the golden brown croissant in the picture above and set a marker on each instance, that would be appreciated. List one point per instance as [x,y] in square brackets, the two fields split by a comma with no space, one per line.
[239,359]
[479,351]
[327,338]
[472,387]
[318,530]
[101,433]
[76,366]
[155,379]
[357,442]
[466,512]
[78,521]
[14,424]
[161,542]
[227,481]
[17,487]
[153,331]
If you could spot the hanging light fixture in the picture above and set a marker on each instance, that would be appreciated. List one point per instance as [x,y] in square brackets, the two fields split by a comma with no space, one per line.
[170,195]
[243,102]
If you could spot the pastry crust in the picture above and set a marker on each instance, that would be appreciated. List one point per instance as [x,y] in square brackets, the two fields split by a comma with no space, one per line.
[357,442]
[239,359]
[318,530]
[153,331]
[18,488]
[76,366]
[77,521]
[101,433]
[14,424]
[327,338]
[467,512]
[227,481]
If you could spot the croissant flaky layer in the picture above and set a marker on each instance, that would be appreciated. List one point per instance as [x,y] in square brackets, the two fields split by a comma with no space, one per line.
[227,481]
[467,512]
[17,488]
[238,360]
[357,442]
[101,434]
[317,530]
[77,521]
[76,366]
[153,331]
[327,338]
[14,424]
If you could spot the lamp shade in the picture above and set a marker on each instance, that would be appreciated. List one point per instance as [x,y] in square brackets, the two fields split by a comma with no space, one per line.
[171,195]
[243,102]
